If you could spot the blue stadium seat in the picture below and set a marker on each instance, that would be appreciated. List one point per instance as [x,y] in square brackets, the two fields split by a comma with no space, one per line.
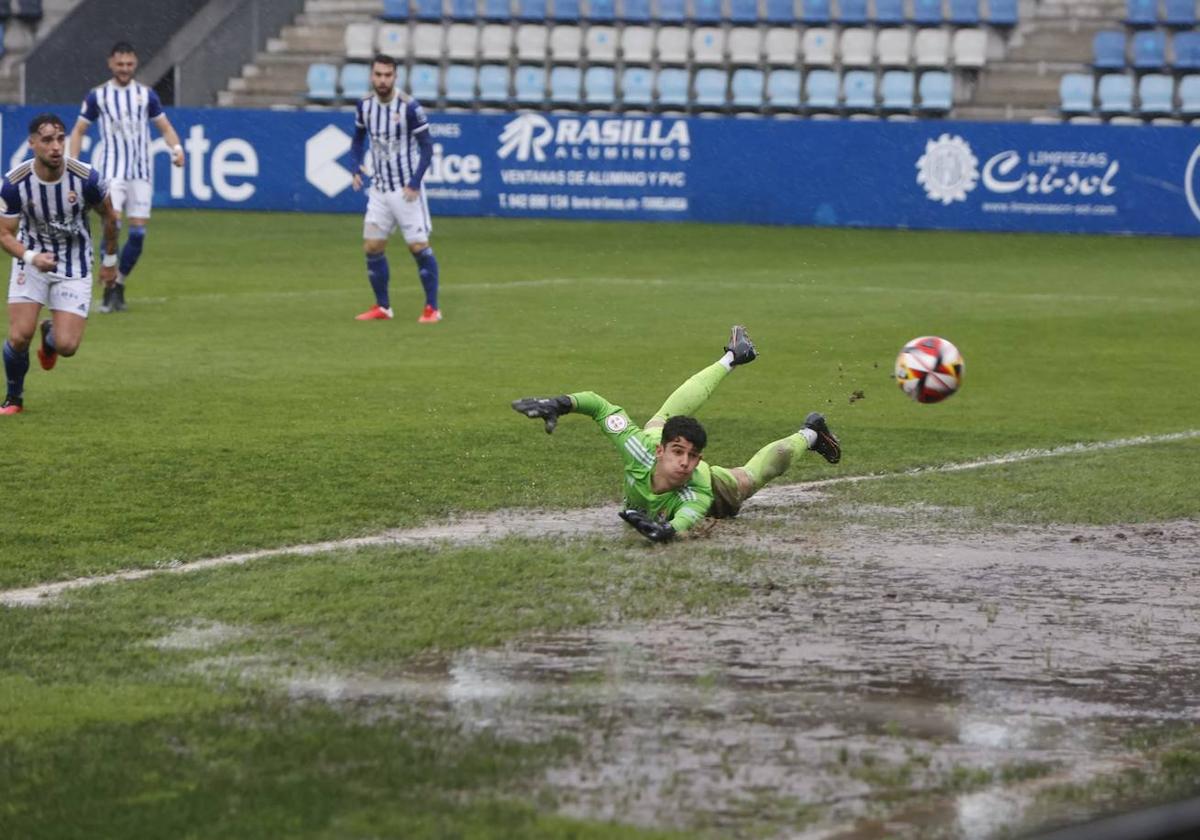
[1179,14]
[706,12]
[601,11]
[672,86]
[637,88]
[493,85]
[852,12]
[1189,97]
[889,12]
[566,11]
[1141,13]
[672,11]
[635,11]
[1108,50]
[710,88]
[395,11]
[565,85]
[600,87]
[746,89]
[896,91]
[1187,51]
[355,81]
[531,11]
[427,10]
[936,88]
[423,83]
[463,10]
[816,13]
[964,12]
[497,11]
[743,12]
[1156,95]
[322,82]
[858,90]
[1115,93]
[1076,92]
[781,12]
[529,85]
[783,90]
[460,84]
[1002,13]
[1149,50]
[927,13]
[821,90]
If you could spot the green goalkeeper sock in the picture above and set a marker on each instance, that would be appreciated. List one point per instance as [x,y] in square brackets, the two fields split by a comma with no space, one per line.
[689,396]
[773,459]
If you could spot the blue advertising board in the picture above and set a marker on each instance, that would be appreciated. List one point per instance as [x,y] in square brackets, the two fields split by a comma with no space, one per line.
[924,174]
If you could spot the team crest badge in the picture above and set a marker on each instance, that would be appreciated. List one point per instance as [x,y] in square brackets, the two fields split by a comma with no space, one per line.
[615,423]
[948,170]
[20,278]
[72,197]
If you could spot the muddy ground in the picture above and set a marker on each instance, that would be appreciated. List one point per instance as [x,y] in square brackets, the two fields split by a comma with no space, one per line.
[891,675]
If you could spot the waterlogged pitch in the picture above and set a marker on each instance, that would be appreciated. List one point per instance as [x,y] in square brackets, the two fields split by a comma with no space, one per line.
[978,622]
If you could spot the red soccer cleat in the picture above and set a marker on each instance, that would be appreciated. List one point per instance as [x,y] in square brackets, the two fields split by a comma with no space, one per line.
[375,313]
[430,316]
[12,406]
[47,358]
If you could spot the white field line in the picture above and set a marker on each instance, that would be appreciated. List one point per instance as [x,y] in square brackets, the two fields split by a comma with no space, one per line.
[524,523]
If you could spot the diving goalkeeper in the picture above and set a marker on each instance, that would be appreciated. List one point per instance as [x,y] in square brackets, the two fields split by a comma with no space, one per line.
[668,488]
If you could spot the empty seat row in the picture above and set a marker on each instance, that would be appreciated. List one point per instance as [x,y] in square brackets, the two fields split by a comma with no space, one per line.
[1080,95]
[1177,14]
[1146,50]
[852,47]
[817,12]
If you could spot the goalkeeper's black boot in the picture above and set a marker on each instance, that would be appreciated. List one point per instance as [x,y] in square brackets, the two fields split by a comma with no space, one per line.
[741,346]
[826,444]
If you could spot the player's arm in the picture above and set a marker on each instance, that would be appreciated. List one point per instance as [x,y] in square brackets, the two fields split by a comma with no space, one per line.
[88,112]
[171,137]
[550,409]
[110,220]
[358,148]
[424,157]
[10,219]
[689,514]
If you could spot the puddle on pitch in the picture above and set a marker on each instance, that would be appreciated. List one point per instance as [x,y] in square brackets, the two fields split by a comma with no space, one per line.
[973,668]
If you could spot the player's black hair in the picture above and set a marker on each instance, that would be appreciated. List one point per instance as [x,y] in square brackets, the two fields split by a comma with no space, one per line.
[35,125]
[688,428]
[383,58]
[122,47]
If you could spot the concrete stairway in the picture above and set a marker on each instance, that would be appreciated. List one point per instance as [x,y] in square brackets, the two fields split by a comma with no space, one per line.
[277,78]
[19,38]
[1052,39]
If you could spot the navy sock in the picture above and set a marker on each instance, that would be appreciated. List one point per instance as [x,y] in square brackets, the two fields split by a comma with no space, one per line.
[378,274]
[16,365]
[427,270]
[50,345]
[132,250]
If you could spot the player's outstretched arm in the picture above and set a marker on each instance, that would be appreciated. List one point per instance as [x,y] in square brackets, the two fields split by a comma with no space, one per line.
[647,527]
[75,142]
[545,408]
[171,137]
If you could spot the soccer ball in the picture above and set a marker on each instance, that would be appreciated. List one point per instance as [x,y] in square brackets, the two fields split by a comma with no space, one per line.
[929,369]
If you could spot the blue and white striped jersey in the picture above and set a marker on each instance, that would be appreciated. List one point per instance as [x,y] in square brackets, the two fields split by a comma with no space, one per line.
[124,114]
[54,215]
[393,128]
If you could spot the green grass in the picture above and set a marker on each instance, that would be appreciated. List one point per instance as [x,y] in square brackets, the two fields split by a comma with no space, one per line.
[239,405]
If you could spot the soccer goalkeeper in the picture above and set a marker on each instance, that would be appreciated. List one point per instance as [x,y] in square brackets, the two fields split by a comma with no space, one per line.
[668,489]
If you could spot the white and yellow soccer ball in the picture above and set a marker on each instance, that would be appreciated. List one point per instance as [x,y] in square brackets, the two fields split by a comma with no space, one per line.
[929,369]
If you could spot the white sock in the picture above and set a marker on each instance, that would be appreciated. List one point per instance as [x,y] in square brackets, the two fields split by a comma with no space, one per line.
[726,361]
[809,435]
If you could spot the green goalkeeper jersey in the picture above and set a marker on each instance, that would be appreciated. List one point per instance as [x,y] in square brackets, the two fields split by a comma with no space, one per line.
[684,507]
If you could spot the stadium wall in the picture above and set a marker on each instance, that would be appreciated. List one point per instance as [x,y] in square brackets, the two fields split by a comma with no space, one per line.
[924,174]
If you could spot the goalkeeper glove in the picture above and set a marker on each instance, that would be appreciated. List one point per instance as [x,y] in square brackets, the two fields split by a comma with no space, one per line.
[647,527]
[547,408]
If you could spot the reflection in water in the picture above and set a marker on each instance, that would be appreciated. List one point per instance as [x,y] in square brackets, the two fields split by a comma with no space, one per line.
[916,663]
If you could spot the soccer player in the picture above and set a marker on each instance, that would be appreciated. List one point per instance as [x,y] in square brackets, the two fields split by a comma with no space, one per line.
[400,154]
[668,488]
[125,108]
[48,197]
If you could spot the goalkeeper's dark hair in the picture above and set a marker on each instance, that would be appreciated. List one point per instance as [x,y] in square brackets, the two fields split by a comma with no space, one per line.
[384,58]
[688,428]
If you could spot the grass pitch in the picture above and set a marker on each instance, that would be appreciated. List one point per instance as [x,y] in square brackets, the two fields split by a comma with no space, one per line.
[238,405]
